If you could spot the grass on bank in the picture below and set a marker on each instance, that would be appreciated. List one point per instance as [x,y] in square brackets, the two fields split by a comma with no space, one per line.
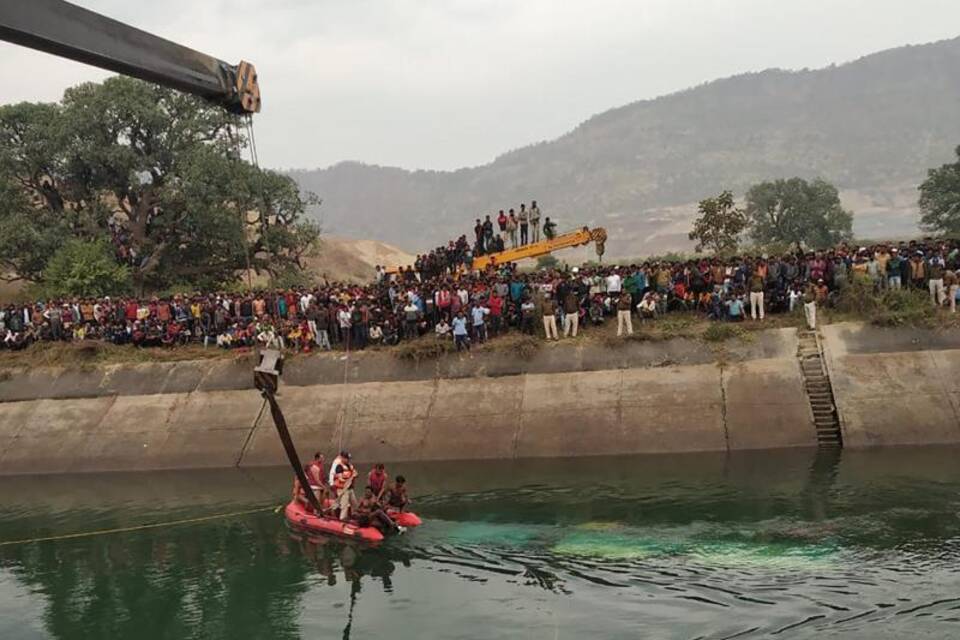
[87,354]
[892,308]
[430,347]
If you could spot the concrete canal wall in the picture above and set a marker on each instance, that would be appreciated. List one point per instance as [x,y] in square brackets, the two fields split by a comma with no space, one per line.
[563,400]
[892,387]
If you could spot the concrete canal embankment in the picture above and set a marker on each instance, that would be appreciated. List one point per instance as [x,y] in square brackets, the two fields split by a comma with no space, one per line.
[894,386]
[564,400]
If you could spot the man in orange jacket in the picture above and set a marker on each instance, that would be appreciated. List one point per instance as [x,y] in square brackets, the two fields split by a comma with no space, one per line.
[344,475]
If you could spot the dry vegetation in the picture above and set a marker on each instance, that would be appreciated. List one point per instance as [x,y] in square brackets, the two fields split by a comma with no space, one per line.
[85,354]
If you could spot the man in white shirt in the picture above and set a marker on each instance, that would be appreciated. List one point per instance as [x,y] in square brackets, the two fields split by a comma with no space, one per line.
[268,337]
[795,295]
[411,314]
[478,315]
[524,219]
[614,282]
[305,299]
[343,319]
[535,221]
[647,307]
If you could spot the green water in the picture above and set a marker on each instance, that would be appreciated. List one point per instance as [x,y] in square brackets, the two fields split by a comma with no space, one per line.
[787,545]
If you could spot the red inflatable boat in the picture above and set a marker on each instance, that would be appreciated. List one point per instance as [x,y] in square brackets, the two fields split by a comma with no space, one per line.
[302,520]
[405,518]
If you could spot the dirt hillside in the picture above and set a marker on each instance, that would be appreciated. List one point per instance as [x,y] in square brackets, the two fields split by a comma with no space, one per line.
[354,260]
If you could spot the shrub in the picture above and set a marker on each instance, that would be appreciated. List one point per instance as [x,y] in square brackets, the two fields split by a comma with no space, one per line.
[426,348]
[84,268]
[721,332]
[888,308]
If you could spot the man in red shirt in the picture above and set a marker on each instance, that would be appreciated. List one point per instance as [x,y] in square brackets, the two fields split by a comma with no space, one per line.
[315,470]
[315,475]
[443,300]
[495,304]
[130,309]
[377,480]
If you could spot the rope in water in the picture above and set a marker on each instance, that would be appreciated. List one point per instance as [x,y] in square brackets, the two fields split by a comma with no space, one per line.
[140,527]
[342,417]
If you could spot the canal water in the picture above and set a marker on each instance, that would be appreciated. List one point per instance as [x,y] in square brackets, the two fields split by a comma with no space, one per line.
[768,544]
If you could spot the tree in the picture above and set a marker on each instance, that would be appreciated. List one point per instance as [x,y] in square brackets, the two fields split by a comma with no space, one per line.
[548,261]
[720,224]
[798,212]
[157,173]
[940,199]
[33,223]
[85,268]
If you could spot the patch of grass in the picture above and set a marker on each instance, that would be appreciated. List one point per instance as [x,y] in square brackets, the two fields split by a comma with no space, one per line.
[681,325]
[426,348]
[888,308]
[84,355]
[721,332]
[521,344]
[430,348]
[612,341]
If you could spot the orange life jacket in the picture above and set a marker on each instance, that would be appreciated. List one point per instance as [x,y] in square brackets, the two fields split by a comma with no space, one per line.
[342,479]
[338,461]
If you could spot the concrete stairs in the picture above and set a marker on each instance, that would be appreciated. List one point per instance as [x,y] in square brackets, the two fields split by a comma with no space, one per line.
[819,391]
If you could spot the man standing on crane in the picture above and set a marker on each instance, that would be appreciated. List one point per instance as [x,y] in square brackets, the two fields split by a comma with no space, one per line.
[512,229]
[535,220]
[524,218]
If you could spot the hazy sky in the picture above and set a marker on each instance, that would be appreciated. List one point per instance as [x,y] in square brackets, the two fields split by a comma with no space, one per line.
[442,84]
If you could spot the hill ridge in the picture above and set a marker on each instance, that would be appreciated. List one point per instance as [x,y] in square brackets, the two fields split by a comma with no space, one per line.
[872,126]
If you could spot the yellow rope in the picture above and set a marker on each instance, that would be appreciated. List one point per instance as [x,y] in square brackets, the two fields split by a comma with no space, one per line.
[141,527]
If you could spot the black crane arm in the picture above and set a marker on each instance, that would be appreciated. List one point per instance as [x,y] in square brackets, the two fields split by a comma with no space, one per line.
[69,31]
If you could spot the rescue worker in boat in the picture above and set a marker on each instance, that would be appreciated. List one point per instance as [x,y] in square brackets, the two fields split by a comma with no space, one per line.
[339,460]
[298,493]
[344,475]
[377,481]
[370,513]
[317,481]
[397,494]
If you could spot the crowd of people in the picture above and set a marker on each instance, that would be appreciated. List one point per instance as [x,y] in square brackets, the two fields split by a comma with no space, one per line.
[467,307]
[513,229]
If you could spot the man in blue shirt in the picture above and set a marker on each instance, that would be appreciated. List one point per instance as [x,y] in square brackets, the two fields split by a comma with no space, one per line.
[479,313]
[516,290]
[735,309]
[460,336]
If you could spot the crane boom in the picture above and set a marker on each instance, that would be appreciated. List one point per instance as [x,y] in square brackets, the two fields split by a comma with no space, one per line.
[69,31]
[576,238]
[544,247]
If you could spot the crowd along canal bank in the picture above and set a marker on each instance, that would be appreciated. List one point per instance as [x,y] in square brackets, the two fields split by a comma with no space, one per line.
[889,387]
